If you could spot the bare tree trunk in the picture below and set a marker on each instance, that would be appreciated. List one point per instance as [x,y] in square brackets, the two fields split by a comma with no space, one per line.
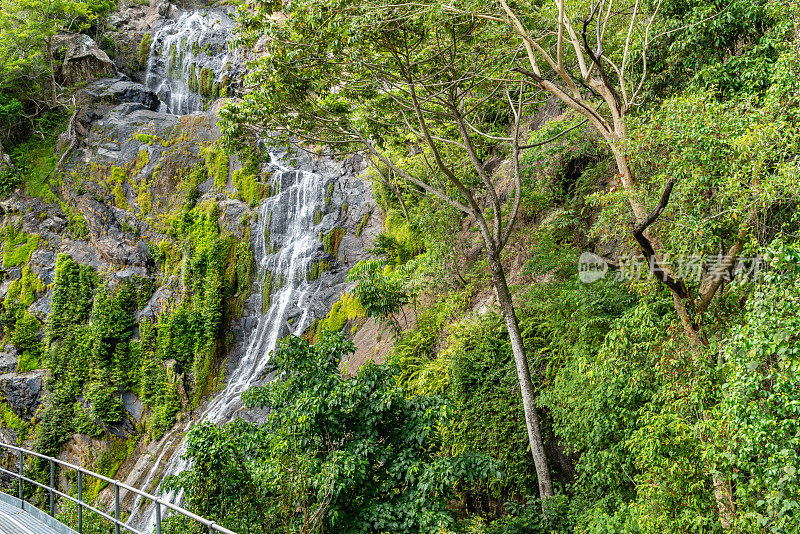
[524,375]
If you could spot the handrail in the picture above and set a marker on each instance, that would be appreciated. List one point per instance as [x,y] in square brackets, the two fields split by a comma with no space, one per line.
[53,491]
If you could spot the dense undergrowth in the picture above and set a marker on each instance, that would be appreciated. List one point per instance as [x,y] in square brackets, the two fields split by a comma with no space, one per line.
[645,429]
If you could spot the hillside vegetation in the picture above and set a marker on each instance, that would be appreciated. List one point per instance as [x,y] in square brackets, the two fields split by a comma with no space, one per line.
[588,268]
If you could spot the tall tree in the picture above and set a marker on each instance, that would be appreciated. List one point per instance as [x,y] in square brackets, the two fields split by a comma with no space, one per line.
[594,58]
[376,77]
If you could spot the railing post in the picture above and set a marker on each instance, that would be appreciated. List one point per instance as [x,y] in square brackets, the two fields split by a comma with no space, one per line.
[52,486]
[158,517]
[80,502]
[211,528]
[20,478]
[116,508]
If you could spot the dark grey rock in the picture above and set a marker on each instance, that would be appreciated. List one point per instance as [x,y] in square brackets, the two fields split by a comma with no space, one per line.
[23,391]
[132,96]
[133,405]
[43,264]
[41,308]
[8,359]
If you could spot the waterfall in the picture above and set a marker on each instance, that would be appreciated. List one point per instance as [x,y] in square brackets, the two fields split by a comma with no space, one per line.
[190,62]
[189,66]
[286,243]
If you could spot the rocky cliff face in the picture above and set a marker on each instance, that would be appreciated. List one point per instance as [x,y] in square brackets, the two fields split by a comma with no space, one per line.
[126,176]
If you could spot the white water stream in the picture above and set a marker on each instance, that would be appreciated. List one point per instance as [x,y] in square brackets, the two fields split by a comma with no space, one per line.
[287,221]
[285,236]
[188,57]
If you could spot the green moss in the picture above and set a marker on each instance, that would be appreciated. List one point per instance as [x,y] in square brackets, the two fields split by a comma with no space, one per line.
[11,420]
[317,216]
[216,161]
[144,138]
[29,361]
[76,223]
[332,239]
[363,223]
[192,81]
[174,62]
[347,308]
[120,199]
[271,284]
[140,162]
[26,288]
[144,50]
[224,86]
[18,246]
[118,175]
[108,464]
[316,269]
[206,82]
[145,201]
[250,189]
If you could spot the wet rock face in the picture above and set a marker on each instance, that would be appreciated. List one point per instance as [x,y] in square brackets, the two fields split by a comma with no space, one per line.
[125,91]
[23,391]
[83,60]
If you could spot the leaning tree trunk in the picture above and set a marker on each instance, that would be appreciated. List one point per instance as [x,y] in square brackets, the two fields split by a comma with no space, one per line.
[524,376]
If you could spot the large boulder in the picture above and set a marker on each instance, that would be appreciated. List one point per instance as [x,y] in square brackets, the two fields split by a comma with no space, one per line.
[83,60]
[23,391]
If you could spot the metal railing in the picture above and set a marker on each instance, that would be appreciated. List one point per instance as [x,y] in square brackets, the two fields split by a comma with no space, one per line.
[53,491]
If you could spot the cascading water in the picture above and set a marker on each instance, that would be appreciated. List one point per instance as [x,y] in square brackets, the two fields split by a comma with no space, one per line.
[189,66]
[190,62]
[286,243]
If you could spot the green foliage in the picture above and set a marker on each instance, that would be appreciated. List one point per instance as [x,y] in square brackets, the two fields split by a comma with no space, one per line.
[381,290]
[10,179]
[397,243]
[18,246]
[72,296]
[758,411]
[251,190]
[26,339]
[10,419]
[36,158]
[424,370]
[216,161]
[339,454]
[92,522]
[105,401]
